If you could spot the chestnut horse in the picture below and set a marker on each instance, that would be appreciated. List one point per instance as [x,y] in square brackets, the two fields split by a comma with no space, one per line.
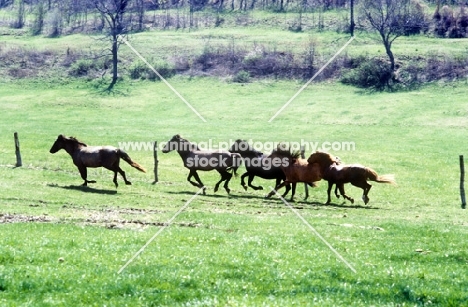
[336,173]
[94,156]
[258,164]
[197,160]
[295,168]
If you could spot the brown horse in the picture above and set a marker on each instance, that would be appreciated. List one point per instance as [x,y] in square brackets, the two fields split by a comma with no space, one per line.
[336,173]
[94,156]
[295,168]
[197,160]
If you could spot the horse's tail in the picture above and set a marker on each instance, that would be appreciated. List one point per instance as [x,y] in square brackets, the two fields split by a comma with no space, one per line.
[127,159]
[372,175]
[236,162]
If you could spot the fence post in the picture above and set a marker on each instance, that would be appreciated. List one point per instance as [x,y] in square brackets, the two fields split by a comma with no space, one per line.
[17,151]
[462,181]
[155,154]
[306,187]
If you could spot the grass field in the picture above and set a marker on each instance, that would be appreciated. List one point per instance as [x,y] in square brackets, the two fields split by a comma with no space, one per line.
[65,244]
[62,244]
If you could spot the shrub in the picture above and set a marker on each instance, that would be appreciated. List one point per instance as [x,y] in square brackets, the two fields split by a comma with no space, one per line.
[137,70]
[81,68]
[140,70]
[370,74]
[241,77]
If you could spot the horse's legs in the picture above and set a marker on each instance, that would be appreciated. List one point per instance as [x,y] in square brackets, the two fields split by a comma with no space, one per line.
[225,176]
[198,184]
[293,190]
[365,198]
[336,191]
[340,186]
[84,175]
[251,177]
[330,185]
[122,173]
[288,187]
[284,183]
[365,186]
[228,177]
[243,180]
[115,179]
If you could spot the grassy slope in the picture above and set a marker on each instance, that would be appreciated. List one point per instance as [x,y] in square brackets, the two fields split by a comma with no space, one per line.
[243,249]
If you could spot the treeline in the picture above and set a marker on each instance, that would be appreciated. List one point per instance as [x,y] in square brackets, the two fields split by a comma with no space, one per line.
[446,18]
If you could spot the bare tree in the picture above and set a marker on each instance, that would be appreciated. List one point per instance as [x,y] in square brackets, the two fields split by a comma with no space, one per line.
[39,14]
[140,11]
[113,11]
[352,25]
[389,18]
[19,22]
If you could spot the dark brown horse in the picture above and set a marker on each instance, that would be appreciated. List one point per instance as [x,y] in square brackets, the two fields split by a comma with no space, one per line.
[194,159]
[258,164]
[295,168]
[94,156]
[336,173]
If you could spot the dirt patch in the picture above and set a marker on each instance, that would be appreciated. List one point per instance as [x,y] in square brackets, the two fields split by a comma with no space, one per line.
[115,210]
[19,218]
[121,223]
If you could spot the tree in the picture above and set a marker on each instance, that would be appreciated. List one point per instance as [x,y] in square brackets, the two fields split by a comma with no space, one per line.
[19,22]
[352,25]
[38,23]
[113,11]
[389,18]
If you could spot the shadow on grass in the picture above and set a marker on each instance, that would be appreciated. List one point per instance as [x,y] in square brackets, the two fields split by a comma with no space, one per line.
[297,204]
[86,189]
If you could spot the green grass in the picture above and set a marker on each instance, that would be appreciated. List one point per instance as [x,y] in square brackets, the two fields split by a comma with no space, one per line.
[407,245]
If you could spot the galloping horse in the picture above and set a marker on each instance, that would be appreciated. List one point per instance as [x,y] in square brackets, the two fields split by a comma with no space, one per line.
[336,173]
[94,156]
[197,160]
[295,168]
[258,164]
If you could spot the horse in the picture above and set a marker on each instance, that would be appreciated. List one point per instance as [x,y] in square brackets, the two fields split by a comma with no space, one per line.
[295,168]
[195,159]
[336,173]
[85,156]
[258,164]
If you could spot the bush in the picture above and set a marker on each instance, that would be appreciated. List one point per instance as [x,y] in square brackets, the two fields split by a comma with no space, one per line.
[81,68]
[137,70]
[140,70]
[241,77]
[370,74]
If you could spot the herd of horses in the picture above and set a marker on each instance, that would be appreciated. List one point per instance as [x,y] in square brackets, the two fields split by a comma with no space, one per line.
[283,165]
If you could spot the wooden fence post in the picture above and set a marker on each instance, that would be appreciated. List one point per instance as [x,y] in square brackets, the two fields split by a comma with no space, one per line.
[17,151]
[306,187]
[462,181]
[155,154]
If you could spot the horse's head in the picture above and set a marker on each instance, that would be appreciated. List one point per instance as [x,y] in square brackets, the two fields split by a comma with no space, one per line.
[67,143]
[323,158]
[242,147]
[59,144]
[179,144]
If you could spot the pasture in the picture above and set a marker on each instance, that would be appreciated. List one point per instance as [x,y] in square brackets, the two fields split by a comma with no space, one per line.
[63,244]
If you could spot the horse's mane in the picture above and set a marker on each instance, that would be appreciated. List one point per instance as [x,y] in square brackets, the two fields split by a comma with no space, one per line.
[237,147]
[75,140]
[192,146]
[283,151]
[323,157]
